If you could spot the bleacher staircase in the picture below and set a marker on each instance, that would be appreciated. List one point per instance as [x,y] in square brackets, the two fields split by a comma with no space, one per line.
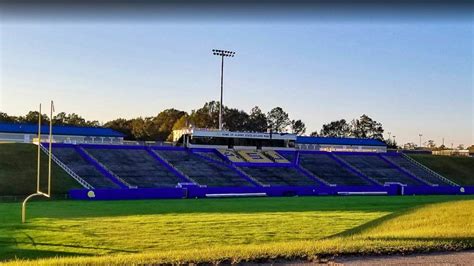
[446,180]
[66,169]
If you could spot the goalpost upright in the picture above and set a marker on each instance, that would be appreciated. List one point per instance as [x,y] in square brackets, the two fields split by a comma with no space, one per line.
[38,174]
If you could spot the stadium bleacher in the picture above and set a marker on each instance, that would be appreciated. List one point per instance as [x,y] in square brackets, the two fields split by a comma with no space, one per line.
[136,167]
[204,172]
[253,156]
[278,176]
[329,170]
[276,157]
[131,171]
[74,161]
[210,155]
[232,155]
[416,170]
[375,167]
[289,155]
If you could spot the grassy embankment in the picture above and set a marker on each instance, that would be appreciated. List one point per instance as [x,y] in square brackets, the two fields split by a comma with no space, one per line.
[18,171]
[170,231]
[458,169]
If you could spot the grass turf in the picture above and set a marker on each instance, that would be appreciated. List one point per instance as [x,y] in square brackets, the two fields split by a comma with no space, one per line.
[210,230]
[458,169]
[18,171]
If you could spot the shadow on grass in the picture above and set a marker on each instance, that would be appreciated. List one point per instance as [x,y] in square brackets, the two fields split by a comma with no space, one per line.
[10,249]
[12,252]
[371,224]
[379,221]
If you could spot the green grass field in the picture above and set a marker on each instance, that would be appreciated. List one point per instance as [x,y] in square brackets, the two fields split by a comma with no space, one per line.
[210,230]
[458,169]
[231,230]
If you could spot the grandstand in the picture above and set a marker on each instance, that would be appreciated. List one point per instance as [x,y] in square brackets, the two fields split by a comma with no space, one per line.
[231,155]
[379,169]
[136,167]
[202,171]
[418,170]
[220,168]
[254,156]
[75,162]
[325,167]
[275,156]
[279,176]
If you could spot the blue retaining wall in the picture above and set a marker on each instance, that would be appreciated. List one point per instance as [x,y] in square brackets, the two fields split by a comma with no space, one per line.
[126,194]
[200,192]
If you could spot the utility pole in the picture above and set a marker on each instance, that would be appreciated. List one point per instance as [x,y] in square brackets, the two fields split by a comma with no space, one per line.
[222,54]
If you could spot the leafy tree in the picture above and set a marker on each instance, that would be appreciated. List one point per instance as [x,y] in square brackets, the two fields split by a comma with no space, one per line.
[441,147]
[431,144]
[257,120]
[366,127]
[298,127]
[314,134]
[207,116]
[391,144]
[460,147]
[409,146]
[60,119]
[161,126]
[235,120]
[278,120]
[121,125]
[339,128]
[32,118]
[182,122]
[139,129]
[4,117]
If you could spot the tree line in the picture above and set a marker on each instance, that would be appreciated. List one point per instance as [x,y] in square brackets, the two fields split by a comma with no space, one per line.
[160,127]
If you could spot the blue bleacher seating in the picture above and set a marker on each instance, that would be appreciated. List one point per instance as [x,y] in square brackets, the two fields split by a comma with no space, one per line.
[329,170]
[136,167]
[82,168]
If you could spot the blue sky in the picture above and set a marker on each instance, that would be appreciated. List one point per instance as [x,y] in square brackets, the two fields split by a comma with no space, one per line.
[414,76]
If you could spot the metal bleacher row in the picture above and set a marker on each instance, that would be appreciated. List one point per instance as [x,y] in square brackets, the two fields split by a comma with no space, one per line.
[72,159]
[141,167]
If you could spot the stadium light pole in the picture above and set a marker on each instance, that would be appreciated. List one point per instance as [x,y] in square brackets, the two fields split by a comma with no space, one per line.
[420,135]
[222,54]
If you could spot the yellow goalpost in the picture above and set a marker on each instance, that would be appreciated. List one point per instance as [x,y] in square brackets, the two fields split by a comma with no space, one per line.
[38,170]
